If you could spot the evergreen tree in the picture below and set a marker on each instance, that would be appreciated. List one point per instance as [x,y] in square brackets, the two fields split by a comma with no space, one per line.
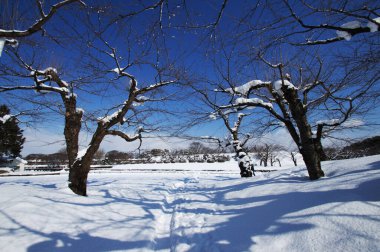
[11,138]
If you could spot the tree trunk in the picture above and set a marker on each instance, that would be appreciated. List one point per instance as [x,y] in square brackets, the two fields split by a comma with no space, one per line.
[81,166]
[73,125]
[78,176]
[294,159]
[319,148]
[245,163]
[306,142]
[312,160]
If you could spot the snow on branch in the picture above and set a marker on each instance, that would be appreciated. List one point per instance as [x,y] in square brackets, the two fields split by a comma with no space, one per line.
[126,137]
[155,86]
[81,153]
[4,41]
[344,32]
[235,129]
[37,26]
[50,74]
[113,116]
[41,77]
[5,118]
[279,84]
[244,89]
[252,102]
[350,25]
[374,24]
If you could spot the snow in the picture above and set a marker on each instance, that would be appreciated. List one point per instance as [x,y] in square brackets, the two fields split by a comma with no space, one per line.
[277,85]
[2,43]
[252,101]
[140,100]
[195,211]
[213,116]
[116,70]
[81,153]
[328,122]
[107,119]
[5,118]
[70,94]
[20,160]
[349,25]
[245,88]
[13,42]
[373,26]
[63,89]
[49,69]
[65,83]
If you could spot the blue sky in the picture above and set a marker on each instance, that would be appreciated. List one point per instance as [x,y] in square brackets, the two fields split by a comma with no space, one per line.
[191,49]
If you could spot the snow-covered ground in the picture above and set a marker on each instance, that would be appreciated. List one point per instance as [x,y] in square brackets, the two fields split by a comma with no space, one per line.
[196,210]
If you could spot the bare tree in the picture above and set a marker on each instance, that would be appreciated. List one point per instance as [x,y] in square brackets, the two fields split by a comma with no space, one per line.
[293,157]
[244,160]
[342,35]
[267,152]
[101,63]
[79,162]
[232,121]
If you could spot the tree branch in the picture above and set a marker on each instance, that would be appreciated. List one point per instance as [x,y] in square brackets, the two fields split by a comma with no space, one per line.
[37,26]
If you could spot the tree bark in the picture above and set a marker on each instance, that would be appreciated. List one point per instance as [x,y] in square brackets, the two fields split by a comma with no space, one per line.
[312,160]
[81,166]
[78,178]
[319,147]
[73,124]
[306,145]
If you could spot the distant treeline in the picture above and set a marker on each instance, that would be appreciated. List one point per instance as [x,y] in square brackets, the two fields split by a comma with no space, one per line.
[367,147]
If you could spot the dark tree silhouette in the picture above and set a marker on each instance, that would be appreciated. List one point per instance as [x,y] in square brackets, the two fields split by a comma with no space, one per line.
[11,138]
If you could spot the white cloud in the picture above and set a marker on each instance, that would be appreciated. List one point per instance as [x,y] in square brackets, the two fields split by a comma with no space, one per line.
[353,123]
[42,141]
[280,136]
[117,143]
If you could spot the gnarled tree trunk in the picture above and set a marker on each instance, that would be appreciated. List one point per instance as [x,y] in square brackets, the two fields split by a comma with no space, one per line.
[73,118]
[305,142]
[312,159]
[81,166]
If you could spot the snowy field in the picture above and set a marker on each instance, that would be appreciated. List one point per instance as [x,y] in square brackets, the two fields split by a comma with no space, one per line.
[196,210]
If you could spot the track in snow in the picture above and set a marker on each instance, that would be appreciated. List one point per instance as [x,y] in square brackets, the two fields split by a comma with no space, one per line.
[175,225]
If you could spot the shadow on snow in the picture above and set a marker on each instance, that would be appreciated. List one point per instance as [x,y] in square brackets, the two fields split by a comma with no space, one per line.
[238,233]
